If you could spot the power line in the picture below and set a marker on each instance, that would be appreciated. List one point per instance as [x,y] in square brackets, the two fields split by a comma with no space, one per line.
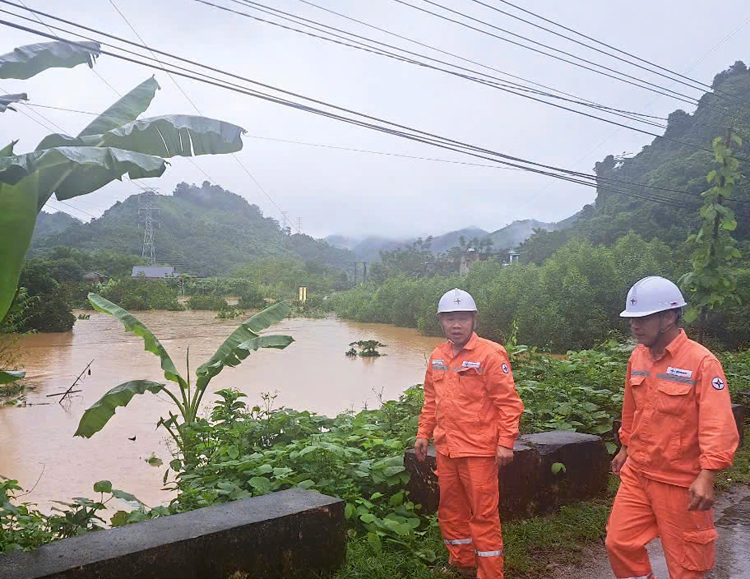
[550,21]
[195,107]
[655,135]
[702,86]
[408,132]
[464,59]
[495,82]
[319,145]
[655,88]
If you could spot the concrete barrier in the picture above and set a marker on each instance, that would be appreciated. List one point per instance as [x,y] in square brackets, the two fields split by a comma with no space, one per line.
[528,486]
[289,534]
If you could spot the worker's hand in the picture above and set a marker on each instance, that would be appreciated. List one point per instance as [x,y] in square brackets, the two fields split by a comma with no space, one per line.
[420,448]
[503,456]
[619,461]
[702,495]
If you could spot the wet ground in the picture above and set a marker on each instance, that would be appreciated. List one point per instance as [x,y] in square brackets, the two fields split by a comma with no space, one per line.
[732,549]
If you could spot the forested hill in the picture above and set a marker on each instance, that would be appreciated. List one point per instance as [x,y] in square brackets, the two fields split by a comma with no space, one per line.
[676,162]
[201,230]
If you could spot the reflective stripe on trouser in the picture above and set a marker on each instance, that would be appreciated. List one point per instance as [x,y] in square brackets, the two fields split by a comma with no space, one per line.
[468,509]
[645,509]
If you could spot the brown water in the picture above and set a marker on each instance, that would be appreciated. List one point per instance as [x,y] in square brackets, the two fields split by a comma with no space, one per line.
[311,374]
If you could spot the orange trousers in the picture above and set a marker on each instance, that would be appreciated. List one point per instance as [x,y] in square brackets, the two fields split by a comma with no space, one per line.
[468,515]
[645,509]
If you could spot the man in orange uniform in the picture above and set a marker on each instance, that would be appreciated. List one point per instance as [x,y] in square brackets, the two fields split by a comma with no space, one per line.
[472,407]
[677,433]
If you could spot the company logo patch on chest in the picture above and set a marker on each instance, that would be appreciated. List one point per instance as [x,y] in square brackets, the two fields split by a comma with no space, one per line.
[718,383]
[439,365]
[467,364]
[680,372]
[505,369]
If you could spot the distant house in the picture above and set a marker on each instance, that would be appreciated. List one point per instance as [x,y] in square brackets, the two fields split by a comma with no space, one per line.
[153,272]
[95,277]
[513,256]
[470,257]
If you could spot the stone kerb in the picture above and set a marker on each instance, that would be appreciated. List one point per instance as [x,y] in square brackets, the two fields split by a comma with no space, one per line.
[289,534]
[528,486]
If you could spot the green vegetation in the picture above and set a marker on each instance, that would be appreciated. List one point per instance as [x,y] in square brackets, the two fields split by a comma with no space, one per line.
[187,399]
[210,302]
[572,301]
[208,231]
[367,349]
[713,279]
[139,295]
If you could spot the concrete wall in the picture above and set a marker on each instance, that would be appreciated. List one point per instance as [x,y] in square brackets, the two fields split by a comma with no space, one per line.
[285,535]
[528,485]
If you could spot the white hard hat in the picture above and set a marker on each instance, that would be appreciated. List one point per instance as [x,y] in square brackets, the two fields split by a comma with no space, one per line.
[652,295]
[456,300]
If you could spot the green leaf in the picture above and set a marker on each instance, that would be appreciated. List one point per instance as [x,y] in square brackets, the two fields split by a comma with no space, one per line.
[260,484]
[611,447]
[28,181]
[135,326]
[601,428]
[97,416]
[8,376]
[349,511]
[72,171]
[127,109]
[238,345]
[6,100]
[172,136]
[103,486]
[175,465]
[374,541]
[123,496]
[393,471]
[27,61]
[233,452]
[306,484]
[120,518]
[558,467]
[7,151]
[368,518]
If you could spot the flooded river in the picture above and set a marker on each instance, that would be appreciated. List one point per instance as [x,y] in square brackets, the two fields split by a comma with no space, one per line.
[37,444]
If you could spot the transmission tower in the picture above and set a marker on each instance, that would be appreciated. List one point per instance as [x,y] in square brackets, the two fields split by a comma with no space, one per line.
[147,212]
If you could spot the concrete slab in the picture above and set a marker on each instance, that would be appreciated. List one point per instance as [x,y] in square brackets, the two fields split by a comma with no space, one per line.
[289,534]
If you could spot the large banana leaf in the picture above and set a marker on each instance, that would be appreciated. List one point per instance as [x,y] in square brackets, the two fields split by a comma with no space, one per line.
[6,100]
[166,136]
[8,376]
[125,110]
[96,417]
[27,61]
[135,326]
[73,171]
[7,151]
[243,340]
[28,181]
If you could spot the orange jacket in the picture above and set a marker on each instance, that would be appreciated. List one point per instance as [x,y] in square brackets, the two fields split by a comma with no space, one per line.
[470,400]
[677,413]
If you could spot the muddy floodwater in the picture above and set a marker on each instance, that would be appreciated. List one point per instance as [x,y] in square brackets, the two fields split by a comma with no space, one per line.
[37,446]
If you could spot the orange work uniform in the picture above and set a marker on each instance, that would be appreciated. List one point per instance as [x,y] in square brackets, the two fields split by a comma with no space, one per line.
[676,421]
[472,407]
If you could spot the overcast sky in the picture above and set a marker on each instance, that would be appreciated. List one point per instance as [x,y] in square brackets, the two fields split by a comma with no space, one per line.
[352,193]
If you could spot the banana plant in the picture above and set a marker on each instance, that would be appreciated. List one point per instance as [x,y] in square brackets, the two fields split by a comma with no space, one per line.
[186,393]
[116,143]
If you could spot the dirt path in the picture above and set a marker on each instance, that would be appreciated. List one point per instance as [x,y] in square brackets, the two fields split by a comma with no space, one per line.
[732,549]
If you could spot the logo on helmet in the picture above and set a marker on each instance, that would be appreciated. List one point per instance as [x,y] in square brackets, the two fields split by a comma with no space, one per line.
[633,301]
[457,301]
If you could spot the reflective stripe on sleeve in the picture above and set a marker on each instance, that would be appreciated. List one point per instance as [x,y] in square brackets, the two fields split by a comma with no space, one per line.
[457,541]
[489,553]
[639,373]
